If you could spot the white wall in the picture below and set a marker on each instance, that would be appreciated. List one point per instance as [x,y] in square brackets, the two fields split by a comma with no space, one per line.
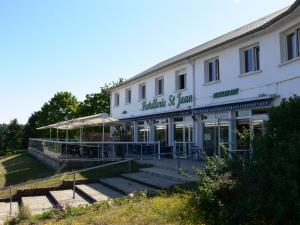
[271,80]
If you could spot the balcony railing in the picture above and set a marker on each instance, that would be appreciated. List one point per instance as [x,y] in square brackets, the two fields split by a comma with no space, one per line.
[74,150]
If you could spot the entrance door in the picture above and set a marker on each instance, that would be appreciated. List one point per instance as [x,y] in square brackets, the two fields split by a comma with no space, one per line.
[183,137]
[216,136]
[243,134]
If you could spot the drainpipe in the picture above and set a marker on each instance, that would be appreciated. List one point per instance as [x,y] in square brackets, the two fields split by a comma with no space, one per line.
[192,62]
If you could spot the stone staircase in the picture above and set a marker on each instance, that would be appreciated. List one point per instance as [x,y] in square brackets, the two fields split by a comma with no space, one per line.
[148,179]
[5,209]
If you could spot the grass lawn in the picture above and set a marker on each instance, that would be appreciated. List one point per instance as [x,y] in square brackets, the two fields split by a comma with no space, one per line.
[126,211]
[25,168]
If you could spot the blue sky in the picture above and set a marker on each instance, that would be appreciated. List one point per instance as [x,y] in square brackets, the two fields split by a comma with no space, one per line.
[78,45]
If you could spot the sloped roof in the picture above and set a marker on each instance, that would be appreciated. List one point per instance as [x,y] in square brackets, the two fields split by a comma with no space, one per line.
[236,34]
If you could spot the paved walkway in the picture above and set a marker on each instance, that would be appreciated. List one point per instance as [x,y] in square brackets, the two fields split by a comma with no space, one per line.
[37,204]
[151,179]
[126,186]
[186,165]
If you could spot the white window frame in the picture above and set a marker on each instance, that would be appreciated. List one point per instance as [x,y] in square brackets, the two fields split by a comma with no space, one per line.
[128,98]
[178,74]
[117,99]
[256,62]
[284,50]
[141,97]
[157,80]
[216,76]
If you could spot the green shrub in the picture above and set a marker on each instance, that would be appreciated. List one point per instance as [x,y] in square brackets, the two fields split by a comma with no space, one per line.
[264,192]
[24,212]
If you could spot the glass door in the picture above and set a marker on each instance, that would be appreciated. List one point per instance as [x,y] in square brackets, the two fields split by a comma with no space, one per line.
[223,136]
[183,129]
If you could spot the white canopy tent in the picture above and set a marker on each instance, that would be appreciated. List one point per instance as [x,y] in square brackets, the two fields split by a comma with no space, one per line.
[87,121]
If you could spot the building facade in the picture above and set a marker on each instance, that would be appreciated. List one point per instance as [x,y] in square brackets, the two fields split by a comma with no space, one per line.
[208,96]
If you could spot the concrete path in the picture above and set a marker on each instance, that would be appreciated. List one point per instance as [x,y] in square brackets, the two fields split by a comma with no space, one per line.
[65,198]
[151,179]
[187,165]
[98,192]
[169,174]
[5,208]
[37,204]
[126,186]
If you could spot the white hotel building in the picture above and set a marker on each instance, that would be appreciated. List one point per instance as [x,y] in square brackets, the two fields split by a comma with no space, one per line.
[203,96]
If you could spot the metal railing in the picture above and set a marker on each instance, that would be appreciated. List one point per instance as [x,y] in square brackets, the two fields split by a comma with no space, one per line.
[244,155]
[95,151]
[61,175]
[182,149]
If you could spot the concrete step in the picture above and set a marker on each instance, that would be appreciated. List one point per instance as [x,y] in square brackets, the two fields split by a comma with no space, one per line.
[64,198]
[172,175]
[98,192]
[126,186]
[37,204]
[5,209]
[151,180]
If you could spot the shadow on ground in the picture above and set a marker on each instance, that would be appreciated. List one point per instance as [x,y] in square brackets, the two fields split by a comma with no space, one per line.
[22,168]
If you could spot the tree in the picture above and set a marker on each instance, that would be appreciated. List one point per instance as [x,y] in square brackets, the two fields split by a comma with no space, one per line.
[3,131]
[14,136]
[62,106]
[97,102]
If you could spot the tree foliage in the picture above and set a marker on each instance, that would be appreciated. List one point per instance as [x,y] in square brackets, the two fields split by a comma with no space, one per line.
[264,192]
[14,135]
[96,103]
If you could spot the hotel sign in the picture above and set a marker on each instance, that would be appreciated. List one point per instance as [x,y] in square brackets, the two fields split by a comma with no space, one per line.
[222,94]
[173,100]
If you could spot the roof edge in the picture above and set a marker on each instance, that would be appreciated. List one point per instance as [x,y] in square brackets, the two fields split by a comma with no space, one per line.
[264,26]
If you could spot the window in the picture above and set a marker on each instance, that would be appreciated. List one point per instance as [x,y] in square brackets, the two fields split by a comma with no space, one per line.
[128,96]
[142,91]
[180,80]
[250,59]
[212,70]
[291,44]
[159,86]
[117,99]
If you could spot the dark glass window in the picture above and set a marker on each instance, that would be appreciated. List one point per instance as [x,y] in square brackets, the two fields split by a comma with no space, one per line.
[160,86]
[143,91]
[128,96]
[117,99]
[291,45]
[213,70]
[181,82]
[252,59]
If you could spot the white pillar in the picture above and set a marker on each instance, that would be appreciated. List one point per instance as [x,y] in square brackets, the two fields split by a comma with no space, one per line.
[199,130]
[232,135]
[152,132]
[171,131]
[135,131]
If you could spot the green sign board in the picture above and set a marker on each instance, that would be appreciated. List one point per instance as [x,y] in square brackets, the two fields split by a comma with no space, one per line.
[222,94]
[173,100]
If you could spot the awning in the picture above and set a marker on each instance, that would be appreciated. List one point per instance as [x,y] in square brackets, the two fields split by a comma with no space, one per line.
[87,121]
[241,104]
